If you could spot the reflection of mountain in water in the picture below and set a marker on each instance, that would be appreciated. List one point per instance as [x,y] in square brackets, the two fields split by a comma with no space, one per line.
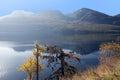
[83,43]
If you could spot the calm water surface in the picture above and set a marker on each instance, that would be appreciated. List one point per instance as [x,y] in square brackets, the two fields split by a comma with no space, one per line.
[11,59]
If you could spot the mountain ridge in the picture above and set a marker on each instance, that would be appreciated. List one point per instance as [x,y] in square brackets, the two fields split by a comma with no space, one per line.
[92,16]
[81,15]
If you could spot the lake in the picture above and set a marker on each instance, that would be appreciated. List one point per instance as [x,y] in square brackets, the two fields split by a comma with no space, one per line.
[14,52]
[10,60]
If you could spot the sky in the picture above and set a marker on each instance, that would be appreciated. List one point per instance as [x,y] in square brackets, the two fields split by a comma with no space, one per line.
[111,7]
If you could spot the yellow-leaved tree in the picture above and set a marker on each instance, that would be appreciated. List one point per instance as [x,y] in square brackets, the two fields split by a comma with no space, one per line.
[32,64]
[38,53]
[38,50]
[29,67]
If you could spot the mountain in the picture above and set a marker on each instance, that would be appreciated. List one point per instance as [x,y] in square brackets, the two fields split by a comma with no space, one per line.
[84,14]
[92,16]
[118,15]
[54,27]
[51,16]
[83,20]
[54,14]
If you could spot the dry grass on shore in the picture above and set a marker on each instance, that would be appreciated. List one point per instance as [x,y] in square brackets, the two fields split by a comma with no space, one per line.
[108,69]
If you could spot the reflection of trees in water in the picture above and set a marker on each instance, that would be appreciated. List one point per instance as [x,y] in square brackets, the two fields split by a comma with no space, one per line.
[57,57]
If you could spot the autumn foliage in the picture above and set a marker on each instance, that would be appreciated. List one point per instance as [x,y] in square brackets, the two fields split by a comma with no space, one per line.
[29,67]
[32,64]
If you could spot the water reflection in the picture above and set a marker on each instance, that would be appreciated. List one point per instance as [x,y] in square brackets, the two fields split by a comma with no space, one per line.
[10,59]
[85,42]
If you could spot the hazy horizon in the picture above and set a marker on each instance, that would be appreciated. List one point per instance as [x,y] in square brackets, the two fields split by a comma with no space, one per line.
[16,12]
[67,6]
